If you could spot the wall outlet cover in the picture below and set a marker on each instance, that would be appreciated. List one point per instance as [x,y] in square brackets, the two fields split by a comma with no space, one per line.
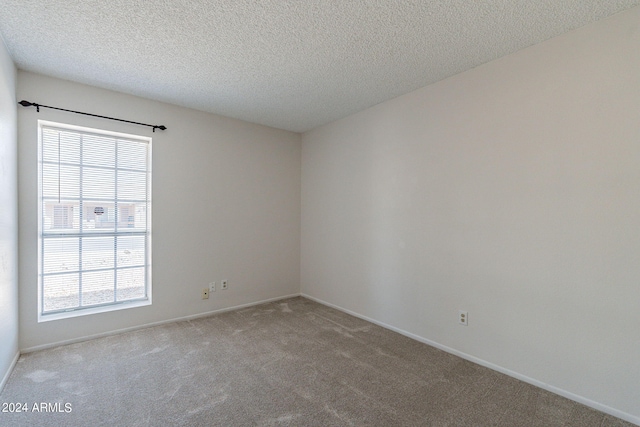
[463,317]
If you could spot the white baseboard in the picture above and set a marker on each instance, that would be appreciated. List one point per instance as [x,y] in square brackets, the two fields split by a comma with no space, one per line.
[8,373]
[577,398]
[148,325]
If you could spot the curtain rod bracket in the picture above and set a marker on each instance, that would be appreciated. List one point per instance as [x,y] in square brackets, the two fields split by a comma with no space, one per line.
[33,104]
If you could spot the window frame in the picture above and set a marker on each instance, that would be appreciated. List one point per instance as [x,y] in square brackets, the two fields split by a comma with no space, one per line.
[41,236]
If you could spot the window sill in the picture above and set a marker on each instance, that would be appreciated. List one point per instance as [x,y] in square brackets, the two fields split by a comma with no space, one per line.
[93,310]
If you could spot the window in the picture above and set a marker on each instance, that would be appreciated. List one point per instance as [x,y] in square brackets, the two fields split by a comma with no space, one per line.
[94,203]
[62,216]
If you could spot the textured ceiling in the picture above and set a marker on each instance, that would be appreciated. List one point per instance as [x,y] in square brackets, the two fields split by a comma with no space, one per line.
[290,64]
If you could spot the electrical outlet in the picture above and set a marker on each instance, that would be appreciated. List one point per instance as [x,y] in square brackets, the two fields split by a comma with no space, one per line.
[205,293]
[463,317]
[224,284]
[212,287]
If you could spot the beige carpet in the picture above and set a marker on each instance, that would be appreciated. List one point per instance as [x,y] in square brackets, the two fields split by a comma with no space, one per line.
[289,363]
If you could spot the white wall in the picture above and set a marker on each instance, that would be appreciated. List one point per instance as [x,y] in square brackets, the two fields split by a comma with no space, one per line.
[8,216]
[226,205]
[511,191]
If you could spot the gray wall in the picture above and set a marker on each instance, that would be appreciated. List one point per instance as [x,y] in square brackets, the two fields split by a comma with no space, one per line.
[226,205]
[8,216]
[511,191]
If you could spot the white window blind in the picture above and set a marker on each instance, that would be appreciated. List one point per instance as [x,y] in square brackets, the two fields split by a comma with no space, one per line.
[94,220]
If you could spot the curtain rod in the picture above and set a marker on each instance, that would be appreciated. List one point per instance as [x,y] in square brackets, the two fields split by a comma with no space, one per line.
[33,104]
